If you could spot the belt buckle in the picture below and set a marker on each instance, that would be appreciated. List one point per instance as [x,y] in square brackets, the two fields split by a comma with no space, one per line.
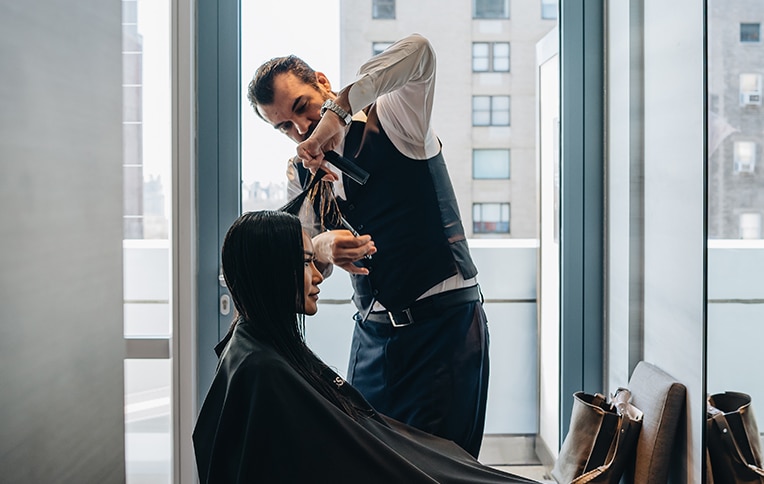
[395,324]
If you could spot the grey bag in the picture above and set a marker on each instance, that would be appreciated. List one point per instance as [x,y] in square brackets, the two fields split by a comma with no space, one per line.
[601,439]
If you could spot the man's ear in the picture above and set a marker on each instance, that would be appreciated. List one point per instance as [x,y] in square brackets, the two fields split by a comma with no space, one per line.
[323,82]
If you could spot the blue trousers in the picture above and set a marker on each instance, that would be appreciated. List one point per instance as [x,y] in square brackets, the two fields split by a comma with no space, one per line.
[432,375]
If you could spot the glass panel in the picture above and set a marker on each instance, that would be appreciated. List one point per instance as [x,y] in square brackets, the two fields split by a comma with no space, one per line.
[500,111]
[750,89]
[147,155]
[501,57]
[500,103]
[549,9]
[491,217]
[480,56]
[377,47]
[735,303]
[490,164]
[383,9]
[148,426]
[490,9]
[750,32]
[744,156]
[265,152]
[481,110]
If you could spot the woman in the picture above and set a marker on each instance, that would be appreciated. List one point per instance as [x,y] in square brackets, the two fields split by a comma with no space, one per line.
[275,412]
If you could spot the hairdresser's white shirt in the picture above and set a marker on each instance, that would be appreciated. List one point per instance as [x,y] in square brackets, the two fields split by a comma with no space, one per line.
[402,82]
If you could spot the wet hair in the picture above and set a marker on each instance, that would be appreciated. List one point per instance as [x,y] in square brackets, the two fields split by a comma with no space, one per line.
[263,266]
[260,89]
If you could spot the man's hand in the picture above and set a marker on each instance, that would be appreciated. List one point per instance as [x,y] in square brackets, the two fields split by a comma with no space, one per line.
[328,135]
[342,248]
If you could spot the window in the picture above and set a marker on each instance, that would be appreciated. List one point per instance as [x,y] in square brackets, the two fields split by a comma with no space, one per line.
[750,32]
[383,9]
[750,89]
[490,164]
[490,218]
[147,253]
[549,9]
[745,156]
[750,225]
[377,47]
[490,57]
[490,8]
[490,110]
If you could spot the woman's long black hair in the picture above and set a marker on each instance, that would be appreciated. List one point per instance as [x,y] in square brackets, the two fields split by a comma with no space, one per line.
[263,266]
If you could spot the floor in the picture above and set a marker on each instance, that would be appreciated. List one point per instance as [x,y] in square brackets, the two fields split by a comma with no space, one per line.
[514,454]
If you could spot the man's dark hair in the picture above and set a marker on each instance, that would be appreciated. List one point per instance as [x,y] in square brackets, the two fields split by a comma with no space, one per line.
[260,90]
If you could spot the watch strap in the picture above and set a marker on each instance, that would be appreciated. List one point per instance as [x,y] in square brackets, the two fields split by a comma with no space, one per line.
[330,105]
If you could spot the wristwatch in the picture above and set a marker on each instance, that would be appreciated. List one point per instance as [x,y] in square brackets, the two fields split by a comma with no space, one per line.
[333,106]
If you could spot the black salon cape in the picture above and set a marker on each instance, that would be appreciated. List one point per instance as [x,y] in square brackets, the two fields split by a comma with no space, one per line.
[262,422]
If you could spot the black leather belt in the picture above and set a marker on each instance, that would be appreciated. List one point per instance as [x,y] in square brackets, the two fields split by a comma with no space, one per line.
[429,307]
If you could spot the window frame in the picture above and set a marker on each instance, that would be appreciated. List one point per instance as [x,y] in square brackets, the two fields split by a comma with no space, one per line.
[479,220]
[740,165]
[750,97]
[491,57]
[492,111]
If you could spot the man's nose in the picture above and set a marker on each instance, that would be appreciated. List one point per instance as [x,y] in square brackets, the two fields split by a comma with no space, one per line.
[302,125]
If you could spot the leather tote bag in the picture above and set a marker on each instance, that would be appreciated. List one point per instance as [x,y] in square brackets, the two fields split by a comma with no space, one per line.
[733,441]
[601,440]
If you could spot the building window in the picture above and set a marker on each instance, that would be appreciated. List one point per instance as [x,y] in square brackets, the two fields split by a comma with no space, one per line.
[378,47]
[490,110]
[549,9]
[745,156]
[750,89]
[490,164]
[750,32]
[490,8]
[383,9]
[750,225]
[490,218]
[490,57]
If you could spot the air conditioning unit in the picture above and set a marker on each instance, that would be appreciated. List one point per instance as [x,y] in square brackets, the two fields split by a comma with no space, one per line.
[750,98]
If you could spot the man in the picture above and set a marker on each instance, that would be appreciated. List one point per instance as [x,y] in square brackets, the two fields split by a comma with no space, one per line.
[420,345]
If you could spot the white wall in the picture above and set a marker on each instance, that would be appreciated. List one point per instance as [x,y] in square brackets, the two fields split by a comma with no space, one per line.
[61,346]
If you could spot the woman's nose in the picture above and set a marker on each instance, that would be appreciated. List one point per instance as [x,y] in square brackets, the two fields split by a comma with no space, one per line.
[318,278]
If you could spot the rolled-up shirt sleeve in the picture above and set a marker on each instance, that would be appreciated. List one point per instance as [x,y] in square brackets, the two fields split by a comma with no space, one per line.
[401,80]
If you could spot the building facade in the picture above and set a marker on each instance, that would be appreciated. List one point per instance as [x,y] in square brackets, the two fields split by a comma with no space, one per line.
[735,120]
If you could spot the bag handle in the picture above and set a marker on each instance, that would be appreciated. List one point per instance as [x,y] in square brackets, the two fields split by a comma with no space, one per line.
[729,439]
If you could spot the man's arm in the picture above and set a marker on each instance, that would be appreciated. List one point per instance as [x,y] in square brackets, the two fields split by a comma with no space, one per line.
[401,80]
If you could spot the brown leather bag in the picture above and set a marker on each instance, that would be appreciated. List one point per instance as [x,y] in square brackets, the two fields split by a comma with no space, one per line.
[601,439]
[733,441]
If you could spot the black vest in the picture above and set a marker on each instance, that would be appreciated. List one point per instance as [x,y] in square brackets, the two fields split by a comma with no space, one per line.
[409,209]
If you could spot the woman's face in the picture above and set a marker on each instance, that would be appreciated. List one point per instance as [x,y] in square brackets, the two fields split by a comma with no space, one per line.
[312,277]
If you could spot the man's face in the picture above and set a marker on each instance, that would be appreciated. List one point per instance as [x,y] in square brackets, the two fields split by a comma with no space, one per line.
[296,107]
